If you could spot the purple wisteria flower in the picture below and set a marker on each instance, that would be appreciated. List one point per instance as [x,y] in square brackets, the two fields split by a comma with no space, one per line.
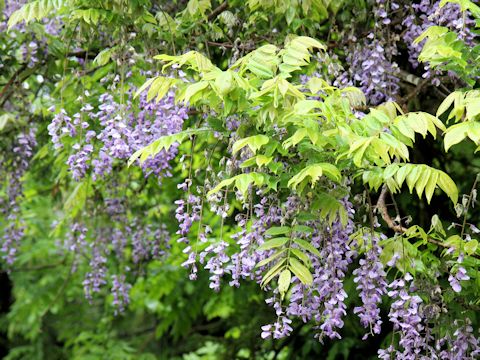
[15,162]
[371,279]
[115,130]
[454,279]
[280,329]
[408,322]
[120,291]
[96,277]
[328,279]
[371,70]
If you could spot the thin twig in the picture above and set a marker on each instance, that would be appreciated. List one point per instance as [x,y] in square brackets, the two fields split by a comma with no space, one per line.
[399,228]
[469,202]
[415,91]
[3,93]
[384,213]
[229,45]
[219,9]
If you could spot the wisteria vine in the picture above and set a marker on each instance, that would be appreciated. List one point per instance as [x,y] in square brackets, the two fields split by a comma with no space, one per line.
[228,234]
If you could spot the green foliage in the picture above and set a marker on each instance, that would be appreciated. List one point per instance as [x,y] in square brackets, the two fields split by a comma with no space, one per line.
[466,108]
[242,182]
[419,177]
[314,172]
[253,142]
[163,143]
[376,147]
[35,10]
[293,10]
[244,61]
[444,50]
[465,5]
[370,143]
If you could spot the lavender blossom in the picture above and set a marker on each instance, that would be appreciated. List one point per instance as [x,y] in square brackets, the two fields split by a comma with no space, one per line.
[454,279]
[371,70]
[120,291]
[96,277]
[371,280]
[15,162]
[407,320]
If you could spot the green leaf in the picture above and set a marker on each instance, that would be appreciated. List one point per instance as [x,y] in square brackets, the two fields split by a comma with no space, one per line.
[193,59]
[431,32]
[446,103]
[93,16]
[355,96]
[193,89]
[263,61]
[413,176]
[273,272]
[297,53]
[315,84]
[418,122]
[160,87]
[465,5]
[277,230]
[454,241]
[301,272]
[431,185]
[422,178]
[358,148]
[471,246]
[448,185]
[458,132]
[455,134]
[330,208]
[290,14]
[472,106]
[314,172]
[253,142]
[302,228]
[6,119]
[198,8]
[242,182]
[224,82]
[307,246]
[104,56]
[270,258]
[437,225]
[422,182]
[35,10]
[262,160]
[273,243]
[163,143]
[301,255]
[284,281]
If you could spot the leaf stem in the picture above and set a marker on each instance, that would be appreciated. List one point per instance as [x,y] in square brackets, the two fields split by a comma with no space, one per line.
[469,202]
